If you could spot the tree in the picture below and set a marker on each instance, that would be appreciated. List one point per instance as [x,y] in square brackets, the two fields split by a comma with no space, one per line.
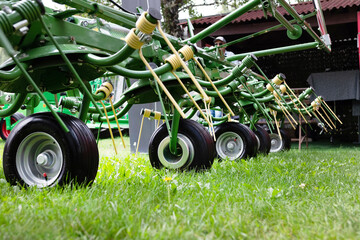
[170,13]
[171,8]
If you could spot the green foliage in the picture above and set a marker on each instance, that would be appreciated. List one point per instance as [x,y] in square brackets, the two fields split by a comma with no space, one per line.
[312,194]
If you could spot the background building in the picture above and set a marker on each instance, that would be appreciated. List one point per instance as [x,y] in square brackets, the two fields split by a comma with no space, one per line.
[337,73]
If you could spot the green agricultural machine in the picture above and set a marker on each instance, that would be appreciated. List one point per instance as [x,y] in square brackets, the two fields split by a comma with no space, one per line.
[34,104]
[57,52]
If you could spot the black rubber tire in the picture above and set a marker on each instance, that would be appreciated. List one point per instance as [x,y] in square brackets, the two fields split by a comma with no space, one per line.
[194,135]
[264,140]
[76,158]
[278,145]
[4,133]
[224,134]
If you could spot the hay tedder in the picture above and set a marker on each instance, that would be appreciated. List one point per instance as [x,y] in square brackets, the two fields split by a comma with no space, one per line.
[59,52]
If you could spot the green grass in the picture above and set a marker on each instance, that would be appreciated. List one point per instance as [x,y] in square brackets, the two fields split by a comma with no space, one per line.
[312,194]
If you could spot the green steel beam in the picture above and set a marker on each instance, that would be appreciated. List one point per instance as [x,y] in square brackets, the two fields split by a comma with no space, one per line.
[262,32]
[273,51]
[224,21]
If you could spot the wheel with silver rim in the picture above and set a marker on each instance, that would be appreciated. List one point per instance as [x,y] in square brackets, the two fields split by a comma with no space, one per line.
[195,147]
[278,143]
[39,159]
[235,141]
[263,139]
[230,145]
[40,153]
[184,156]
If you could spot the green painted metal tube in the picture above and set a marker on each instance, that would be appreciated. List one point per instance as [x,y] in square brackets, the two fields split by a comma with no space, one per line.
[301,21]
[122,18]
[224,118]
[224,21]
[218,83]
[66,13]
[15,106]
[84,108]
[227,90]
[116,104]
[242,79]
[258,33]
[98,96]
[98,118]
[236,72]
[139,74]
[278,109]
[191,27]
[217,121]
[193,111]
[11,74]
[258,97]
[302,96]
[174,132]
[298,47]
[116,58]
[224,91]
[285,22]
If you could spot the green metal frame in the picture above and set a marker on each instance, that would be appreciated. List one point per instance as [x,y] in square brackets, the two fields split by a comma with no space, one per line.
[57,52]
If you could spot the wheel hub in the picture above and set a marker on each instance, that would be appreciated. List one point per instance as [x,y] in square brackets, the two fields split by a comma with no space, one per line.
[46,159]
[230,145]
[183,159]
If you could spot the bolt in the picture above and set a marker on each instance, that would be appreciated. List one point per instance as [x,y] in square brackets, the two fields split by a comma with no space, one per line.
[8,98]
[29,88]
[7,9]
[24,30]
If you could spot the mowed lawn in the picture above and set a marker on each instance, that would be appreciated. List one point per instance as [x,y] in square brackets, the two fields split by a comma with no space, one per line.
[307,194]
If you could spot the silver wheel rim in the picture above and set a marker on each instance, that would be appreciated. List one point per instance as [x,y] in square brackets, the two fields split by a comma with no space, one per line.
[277,144]
[230,145]
[39,159]
[185,149]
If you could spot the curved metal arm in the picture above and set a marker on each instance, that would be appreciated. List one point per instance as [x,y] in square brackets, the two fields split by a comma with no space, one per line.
[116,104]
[139,74]
[302,110]
[116,58]
[218,83]
[258,95]
[97,118]
[11,74]
[14,107]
